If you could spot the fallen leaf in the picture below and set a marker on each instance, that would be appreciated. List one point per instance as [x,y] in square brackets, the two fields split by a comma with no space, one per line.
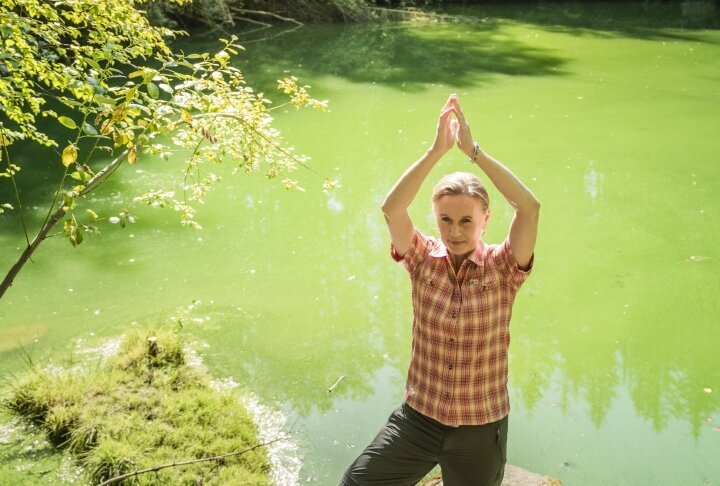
[707,389]
[708,420]
[716,429]
[697,258]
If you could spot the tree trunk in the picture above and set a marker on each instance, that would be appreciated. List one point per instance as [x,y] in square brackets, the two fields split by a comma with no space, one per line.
[30,249]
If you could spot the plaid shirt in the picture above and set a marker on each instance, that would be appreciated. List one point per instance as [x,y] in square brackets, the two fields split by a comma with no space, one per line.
[459,366]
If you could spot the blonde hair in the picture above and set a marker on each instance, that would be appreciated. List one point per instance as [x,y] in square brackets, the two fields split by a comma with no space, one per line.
[462,184]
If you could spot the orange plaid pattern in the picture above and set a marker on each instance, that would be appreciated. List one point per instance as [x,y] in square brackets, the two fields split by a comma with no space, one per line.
[459,365]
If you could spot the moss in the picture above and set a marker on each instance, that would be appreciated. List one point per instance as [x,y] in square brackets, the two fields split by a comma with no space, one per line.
[142,408]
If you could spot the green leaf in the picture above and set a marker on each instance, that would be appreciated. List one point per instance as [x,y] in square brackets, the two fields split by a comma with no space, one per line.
[68,122]
[89,129]
[153,90]
[81,176]
[93,63]
[72,232]
[104,100]
[68,203]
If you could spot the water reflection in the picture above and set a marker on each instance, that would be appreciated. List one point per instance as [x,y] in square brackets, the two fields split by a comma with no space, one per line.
[593,181]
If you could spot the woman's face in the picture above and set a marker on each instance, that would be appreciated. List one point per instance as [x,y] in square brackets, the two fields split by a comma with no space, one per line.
[461,220]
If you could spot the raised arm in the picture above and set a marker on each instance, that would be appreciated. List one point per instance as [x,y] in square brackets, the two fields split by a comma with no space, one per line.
[397,201]
[523,228]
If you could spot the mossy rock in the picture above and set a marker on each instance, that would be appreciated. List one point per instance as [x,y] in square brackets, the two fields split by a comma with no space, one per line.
[142,408]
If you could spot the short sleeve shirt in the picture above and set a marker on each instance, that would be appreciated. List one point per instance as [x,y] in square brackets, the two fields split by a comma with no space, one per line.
[460,336]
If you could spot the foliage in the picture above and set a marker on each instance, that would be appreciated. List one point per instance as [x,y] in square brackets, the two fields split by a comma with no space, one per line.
[99,73]
[143,407]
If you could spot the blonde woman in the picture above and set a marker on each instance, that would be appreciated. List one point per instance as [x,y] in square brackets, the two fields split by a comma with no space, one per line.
[456,406]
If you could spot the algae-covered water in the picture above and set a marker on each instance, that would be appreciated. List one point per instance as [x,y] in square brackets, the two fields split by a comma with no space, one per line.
[610,114]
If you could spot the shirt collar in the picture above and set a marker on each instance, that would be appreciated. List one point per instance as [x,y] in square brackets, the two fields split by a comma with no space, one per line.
[440,251]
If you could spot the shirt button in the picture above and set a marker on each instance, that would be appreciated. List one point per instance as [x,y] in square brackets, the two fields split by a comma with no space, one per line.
[452,341]
[450,367]
[447,396]
[453,315]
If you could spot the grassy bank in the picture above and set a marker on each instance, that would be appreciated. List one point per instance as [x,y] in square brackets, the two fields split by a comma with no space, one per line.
[141,408]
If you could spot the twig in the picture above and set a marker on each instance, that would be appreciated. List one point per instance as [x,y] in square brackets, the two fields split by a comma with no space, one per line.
[256,22]
[117,479]
[334,385]
[267,14]
[261,135]
[15,188]
[263,39]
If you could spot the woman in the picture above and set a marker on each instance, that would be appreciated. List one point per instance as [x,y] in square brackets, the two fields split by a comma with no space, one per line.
[456,400]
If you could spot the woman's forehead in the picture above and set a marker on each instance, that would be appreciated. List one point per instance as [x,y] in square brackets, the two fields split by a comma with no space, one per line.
[457,204]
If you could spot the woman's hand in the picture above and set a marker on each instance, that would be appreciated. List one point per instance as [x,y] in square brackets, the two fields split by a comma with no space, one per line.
[447,128]
[463,137]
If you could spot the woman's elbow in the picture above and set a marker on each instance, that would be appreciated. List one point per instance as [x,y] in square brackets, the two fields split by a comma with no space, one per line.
[387,208]
[530,209]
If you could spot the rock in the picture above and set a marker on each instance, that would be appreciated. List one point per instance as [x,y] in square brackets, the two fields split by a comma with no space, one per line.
[514,476]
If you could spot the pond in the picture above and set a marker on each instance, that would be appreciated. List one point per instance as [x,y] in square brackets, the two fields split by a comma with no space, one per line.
[609,113]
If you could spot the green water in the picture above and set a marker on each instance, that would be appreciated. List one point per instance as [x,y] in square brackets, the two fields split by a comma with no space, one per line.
[610,114]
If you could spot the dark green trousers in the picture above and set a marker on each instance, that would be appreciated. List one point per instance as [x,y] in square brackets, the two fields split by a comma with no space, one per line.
[411,444]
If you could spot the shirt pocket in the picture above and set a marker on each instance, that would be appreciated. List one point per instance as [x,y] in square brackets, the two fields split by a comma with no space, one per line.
[481,301]
[433,293]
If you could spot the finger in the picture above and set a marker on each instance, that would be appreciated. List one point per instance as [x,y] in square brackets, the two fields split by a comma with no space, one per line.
[448,103]
[459,115]
[446,112]
[457,105]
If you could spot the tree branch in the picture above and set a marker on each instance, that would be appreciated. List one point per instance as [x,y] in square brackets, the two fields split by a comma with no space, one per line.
[117,479]
[266,14]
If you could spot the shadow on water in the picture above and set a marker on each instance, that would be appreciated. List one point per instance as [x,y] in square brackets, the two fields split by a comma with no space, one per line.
[399,55]
[411,56]
[651,20]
